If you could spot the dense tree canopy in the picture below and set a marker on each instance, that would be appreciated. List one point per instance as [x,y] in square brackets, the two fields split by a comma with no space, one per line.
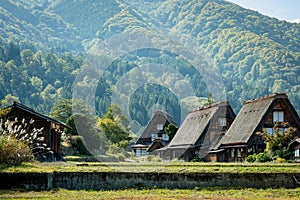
[43,43]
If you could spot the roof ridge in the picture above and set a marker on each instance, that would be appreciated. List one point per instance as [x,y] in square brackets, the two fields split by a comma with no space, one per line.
[23,106]
[210,106]
[275,95]
[164,113]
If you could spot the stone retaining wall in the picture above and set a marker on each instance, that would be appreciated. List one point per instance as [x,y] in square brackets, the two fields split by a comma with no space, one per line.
[121,180]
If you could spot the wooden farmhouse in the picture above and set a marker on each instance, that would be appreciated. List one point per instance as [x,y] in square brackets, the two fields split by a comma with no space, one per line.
[153,137]
[255,116]
[52,129]
[200,132]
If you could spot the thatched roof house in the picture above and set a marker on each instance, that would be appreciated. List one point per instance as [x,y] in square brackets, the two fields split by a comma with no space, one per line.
[200,131]
[255,116]
[154,132]
[52,128]
[295,146]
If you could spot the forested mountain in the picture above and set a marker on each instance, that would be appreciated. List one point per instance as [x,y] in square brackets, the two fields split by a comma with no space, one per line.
[44,43]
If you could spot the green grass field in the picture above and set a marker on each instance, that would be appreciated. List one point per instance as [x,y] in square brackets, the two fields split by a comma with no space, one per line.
[170,167]
[157,194]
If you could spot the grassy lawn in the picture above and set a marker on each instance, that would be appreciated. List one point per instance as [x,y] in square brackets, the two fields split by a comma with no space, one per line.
[206,193]
[170,167]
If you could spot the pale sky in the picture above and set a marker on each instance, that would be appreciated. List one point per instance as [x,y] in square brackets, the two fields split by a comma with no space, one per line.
[288,10]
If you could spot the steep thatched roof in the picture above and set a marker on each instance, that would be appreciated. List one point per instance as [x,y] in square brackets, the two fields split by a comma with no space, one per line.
[159,117]
[249,118]
[194,126]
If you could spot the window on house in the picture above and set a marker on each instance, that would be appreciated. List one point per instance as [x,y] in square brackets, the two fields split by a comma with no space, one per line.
[232,153]
[282,130]
[269,130]
[165,137]
[160,127]
[297,153]
[222,121]
[239,153]
[154,136]
[278,116]
[144,152]
[138,152]
[141,152]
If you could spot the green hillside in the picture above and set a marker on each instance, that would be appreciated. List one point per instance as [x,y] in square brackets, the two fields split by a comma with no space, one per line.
[43,43]
[33,27]
[256,55]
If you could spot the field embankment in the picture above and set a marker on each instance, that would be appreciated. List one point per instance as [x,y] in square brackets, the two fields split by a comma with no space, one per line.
[110,176]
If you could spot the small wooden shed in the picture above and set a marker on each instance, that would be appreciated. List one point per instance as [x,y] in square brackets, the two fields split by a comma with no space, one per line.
[52,129]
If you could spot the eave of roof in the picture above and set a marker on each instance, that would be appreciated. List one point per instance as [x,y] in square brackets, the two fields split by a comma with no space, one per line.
[297,140]
[31,111]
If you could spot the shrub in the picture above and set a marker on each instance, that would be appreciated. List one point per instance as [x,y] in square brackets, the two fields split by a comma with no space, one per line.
[280,160]
[13,151]
[152,158]
[25,134]
[284,153]
[157,159]
[263,157]
[121,157]
[251,158]
[197,159]
[79,143]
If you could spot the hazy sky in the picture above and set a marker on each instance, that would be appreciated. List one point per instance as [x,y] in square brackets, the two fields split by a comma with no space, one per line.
[282,9]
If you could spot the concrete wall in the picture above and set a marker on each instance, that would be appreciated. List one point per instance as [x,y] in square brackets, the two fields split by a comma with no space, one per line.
[119,180]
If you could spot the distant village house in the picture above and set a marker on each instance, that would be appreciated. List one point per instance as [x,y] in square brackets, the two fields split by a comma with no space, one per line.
[255,116]
[154,137]
[201,131]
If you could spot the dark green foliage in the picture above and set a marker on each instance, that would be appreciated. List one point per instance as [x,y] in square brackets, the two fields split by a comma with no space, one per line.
[285,153]
[278,142]
[62,110]
[256,55]
[38,80]
[79,143]
[13,53]
[126,63]
[171,130]
[72,126]
[251,158]
[144,98]
[197,159]
[261,157]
